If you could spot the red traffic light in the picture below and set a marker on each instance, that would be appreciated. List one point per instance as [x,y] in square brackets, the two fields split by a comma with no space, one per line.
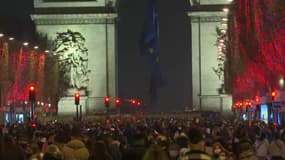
[257,99]
[34,117]
[32,88]
[273,93]
[118,119]
[134,118]
[107,121]
[139,103]
[133,102]
[76,98]
[34,125]
[32,94]
[117,101]
[77,95]
[107,99]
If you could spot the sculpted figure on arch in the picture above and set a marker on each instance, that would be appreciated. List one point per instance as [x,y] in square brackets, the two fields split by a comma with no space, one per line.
[73,58]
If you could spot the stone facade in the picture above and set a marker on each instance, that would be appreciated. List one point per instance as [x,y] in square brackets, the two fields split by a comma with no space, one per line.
[205,16]
[95,20]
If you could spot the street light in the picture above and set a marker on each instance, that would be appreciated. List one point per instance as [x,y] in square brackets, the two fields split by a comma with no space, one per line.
[281,82]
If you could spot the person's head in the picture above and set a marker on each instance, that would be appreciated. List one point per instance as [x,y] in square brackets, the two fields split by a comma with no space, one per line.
[155,152]
[53,153]
[76,131]
[245,145]
[60,139]
[173,150]
[195,135]
[196,139]
[139,139]
[217,148]
[219,151]
[100,147]
[182,141]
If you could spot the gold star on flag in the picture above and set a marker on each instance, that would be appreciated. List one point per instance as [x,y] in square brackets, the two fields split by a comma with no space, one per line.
[151,50]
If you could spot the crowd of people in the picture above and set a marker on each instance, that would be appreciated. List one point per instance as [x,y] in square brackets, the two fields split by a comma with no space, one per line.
[145,138]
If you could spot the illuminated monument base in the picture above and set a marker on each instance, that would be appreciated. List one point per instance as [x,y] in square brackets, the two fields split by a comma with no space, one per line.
[95,20]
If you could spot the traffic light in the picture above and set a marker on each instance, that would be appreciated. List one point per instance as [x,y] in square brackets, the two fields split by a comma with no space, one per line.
[257,99]
[32,94]
[107,120]
[139,103]
[118,119]
[76,98]
[133,118]
[34,117]
[133,102]
[34,125]
[117,102]
[273,95]
[107,101]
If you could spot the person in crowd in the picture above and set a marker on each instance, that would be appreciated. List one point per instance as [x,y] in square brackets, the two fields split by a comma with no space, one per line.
[277,148]
[220,153]
[197,146]
[59,140]
[35,151]
[182,141]
[137,149]
[113,147]
[209,145]
[173,151]
[53,153]
[246,150]
[10,150]
[155,152]
[100,152]
[80,150]
[261,146]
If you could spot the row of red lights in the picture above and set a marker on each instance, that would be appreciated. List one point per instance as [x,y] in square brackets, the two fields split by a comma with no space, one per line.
[109,120]
[118,101]
[246,103]
[257,100]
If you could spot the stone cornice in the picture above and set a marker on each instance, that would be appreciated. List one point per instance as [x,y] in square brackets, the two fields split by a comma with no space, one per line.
[208,2]
[206,16]
[72,3]
[54,19]
[205,19]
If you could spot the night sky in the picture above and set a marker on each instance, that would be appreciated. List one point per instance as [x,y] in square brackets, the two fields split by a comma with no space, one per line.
[175,53]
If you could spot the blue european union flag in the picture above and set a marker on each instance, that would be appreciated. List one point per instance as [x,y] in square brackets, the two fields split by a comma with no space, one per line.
[150,48]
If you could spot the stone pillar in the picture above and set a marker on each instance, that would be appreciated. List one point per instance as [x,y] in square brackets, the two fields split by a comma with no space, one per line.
[205,17]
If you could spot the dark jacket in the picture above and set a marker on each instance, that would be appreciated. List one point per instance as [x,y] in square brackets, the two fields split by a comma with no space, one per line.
[196,155]
[134,152]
